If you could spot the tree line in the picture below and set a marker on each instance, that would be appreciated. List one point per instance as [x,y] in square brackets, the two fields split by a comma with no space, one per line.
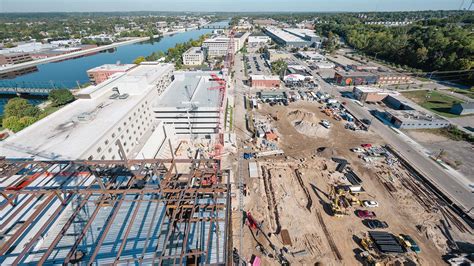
[429,45]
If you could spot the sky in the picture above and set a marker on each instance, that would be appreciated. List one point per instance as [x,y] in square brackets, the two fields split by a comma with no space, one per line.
[228,5]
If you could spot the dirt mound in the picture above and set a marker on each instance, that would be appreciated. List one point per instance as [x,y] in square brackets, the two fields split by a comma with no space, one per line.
[306,123]
[299,115]
[311,129]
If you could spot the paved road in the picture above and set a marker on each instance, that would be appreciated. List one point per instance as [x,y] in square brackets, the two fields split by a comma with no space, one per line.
[457,187]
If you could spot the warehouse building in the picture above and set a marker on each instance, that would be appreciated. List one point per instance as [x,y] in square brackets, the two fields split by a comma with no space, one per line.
[293,37]
[264,82]
[463,108]
[414,119]
[114,113]
[371,94]
[195,56]
[343,78]
[191,104]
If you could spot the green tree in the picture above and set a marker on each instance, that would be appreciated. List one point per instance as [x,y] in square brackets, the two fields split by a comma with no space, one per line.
[139,60]
[16,124]
[279,67]
[60,97]
[20,107]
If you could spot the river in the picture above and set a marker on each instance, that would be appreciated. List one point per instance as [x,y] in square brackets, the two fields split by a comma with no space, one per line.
[70,72]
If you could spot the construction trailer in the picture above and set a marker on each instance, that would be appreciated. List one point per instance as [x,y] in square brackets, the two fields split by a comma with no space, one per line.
[156,211]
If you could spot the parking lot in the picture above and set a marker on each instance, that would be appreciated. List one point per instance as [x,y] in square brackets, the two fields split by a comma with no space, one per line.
[256,64]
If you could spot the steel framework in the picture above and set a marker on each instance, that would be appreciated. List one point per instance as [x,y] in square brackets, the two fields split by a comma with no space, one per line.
[113,212]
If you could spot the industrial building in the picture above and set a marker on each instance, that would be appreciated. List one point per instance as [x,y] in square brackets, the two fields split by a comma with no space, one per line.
[343,78]
[414,119]
[371,94]
[264,82]
[195,56]
[154,211]
[114,113]
[191,104]
[463,108]
[101,73]
[293,37]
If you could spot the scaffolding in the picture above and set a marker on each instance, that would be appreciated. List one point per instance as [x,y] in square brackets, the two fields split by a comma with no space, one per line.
[155,211]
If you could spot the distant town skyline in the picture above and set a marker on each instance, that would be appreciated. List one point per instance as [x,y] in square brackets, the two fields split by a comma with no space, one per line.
[228,5]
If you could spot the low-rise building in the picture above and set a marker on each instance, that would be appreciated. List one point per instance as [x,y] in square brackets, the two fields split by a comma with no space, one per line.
[293,37]
[102,73]
[271,96]
[343,78]
[14,58]
[387,78]
[311,55]
[463,108]
[257,41]
[263,81]
[414,119]
[371,94]
[195,56]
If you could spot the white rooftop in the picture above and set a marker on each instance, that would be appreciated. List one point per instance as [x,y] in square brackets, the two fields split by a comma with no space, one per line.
[264,77]
[112,67]
[301,32]
[287,37]
[62,135]
[194,88]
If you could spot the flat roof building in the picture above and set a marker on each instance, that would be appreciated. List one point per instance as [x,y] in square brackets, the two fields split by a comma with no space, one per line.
[343,78]
[101,73]
[90,127]
[293,37]
[195,56]
[262,81]
[371,94]
[256,41]
[217,47]
[14,58]
[191,104]
[414,119]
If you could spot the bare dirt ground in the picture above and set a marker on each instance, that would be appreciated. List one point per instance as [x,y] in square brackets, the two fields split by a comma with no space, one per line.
[281,199]
[454,151]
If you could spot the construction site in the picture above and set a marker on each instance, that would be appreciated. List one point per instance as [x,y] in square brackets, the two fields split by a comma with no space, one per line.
[315,202]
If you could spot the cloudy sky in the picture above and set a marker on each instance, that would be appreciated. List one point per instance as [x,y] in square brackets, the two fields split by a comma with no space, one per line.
[228,5]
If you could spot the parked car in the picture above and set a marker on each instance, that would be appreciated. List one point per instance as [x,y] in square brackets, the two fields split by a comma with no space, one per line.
[366,121]
[375,224]
[326,124]
[366,145]
[409,243]
[370,203]
[357,150]
[365,214]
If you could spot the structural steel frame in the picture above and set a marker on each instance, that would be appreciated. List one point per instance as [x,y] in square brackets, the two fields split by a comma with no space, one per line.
[178,191]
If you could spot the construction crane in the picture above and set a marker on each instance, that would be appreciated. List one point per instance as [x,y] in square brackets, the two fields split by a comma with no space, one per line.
[222,87]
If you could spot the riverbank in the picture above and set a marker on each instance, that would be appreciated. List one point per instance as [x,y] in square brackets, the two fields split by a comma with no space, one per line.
[72,55]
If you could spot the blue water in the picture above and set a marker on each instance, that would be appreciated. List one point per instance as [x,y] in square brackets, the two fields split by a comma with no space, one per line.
[70,72]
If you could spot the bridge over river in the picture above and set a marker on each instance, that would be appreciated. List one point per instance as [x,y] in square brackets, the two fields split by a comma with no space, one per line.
[9,87]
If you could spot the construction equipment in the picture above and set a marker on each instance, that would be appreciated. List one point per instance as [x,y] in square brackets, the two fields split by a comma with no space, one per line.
[339,202]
